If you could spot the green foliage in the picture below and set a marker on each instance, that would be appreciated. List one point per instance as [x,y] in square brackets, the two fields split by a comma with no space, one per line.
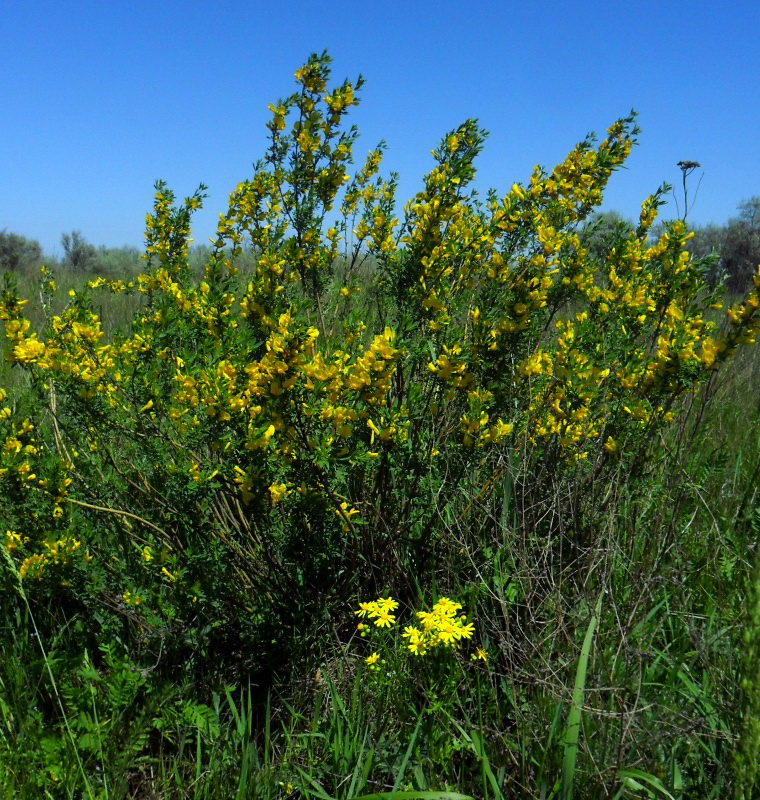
[482,399]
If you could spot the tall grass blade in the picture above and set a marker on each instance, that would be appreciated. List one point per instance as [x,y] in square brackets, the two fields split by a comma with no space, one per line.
[636,780]
[572,731]
[407,755]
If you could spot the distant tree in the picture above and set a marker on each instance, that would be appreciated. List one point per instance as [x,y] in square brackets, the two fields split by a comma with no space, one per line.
[79,254]
[736,246]
[709,243]
[17,253]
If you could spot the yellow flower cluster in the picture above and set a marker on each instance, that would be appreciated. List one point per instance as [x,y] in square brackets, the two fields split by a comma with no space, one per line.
[444,626]
[379,611]
[131,599]
[57,552]
[18,450]
[13,541]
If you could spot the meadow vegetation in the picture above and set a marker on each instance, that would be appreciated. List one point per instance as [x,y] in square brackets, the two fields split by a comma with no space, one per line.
[461,503]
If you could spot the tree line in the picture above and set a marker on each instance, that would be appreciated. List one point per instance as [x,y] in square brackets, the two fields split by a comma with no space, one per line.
[732,250]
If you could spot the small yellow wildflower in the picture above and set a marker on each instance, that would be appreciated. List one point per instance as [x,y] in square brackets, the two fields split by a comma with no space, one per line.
[446,607]
[465,631]
[384,619]
[387,604]
[410,632]
[12,541]
[278,491]
[366,609]
[131,599]
[167,574]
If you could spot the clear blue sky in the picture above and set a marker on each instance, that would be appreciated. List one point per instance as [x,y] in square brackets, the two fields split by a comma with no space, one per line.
[102,98]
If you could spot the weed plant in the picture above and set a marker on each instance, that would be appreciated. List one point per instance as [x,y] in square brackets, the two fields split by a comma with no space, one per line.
[460,402]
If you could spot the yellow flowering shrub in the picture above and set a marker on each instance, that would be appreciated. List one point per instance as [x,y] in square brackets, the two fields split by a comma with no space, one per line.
[256,446]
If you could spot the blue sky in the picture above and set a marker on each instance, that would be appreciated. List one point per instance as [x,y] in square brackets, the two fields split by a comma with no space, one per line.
[102,98]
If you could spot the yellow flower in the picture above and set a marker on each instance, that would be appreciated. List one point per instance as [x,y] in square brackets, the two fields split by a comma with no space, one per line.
[412,633]
[131,599]
[278,491]
[29,350]
[373,659]
[465,631]
[383,619]
[446,607]
[365,609]
[12,541]
[428,620]
[447,632]
[166,573]
[345,512]
[417,648]
[388,603]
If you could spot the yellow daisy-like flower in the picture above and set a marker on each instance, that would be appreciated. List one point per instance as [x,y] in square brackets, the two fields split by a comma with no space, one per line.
[372,659]
[429,621]
[447,607]
[465,631]
[412,633]
[387,604]
[383,618]
[366,609]
[417,648]
[447,633]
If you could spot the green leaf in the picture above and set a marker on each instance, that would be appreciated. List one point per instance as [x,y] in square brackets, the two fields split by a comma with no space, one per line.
[414,795]
[636,778]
